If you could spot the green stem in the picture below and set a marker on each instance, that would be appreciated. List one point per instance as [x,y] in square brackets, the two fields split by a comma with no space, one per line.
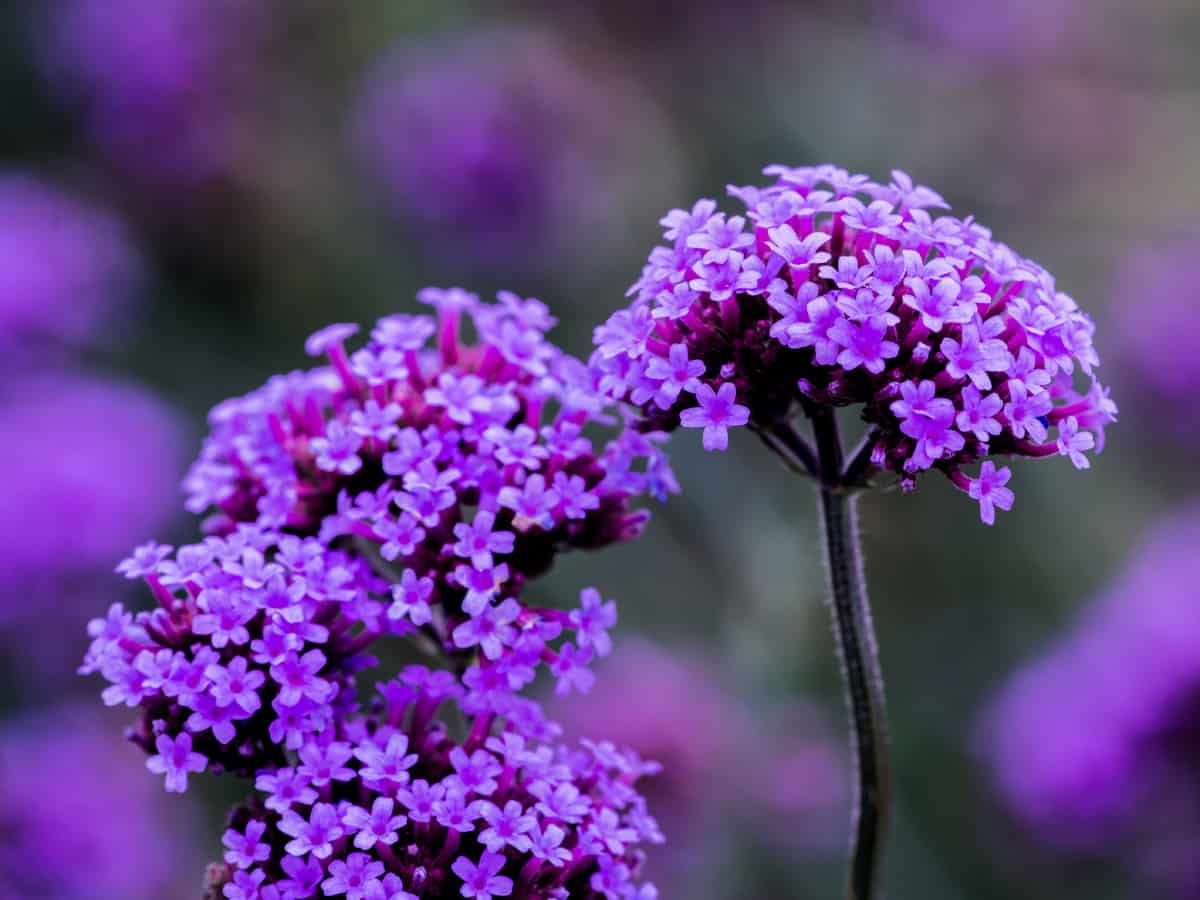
[859,652]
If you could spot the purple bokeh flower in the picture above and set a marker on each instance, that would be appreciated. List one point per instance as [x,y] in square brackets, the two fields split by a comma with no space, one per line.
[1094,746]
[89,464]
[1018,32]
[157,82]
[505,810]
[834,290]
[500,142]
[1156,311]
[63,774]
[67,269]
[721,763]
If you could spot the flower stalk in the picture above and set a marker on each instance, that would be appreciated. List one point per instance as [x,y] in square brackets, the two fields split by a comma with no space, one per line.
[858,651]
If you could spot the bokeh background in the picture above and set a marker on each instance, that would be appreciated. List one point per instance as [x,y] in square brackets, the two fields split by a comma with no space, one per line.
[189,187]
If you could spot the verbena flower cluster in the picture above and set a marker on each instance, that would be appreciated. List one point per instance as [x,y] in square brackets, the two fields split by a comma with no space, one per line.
[1093,745]
[244,657]
[392,806]
[832,289]
[406,489]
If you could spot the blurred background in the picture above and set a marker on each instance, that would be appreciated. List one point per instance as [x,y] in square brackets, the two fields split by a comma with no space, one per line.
[189,187]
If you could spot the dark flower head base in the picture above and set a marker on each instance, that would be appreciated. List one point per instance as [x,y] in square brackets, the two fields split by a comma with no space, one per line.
[832,290]
[402,490]
[390,806]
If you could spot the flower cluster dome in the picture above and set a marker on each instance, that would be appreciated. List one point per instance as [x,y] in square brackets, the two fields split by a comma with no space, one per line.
[834,290]
[403,490]
[392,806]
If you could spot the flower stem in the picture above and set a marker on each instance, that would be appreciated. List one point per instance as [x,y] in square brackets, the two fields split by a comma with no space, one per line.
[859,652]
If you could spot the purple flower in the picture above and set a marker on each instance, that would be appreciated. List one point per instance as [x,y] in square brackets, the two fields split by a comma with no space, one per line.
[717,411]
[855,292]
[248,664]
[223,617]
[353,876]
[314,834]
[245,885]
[1019,33]
[546,844]
[285,787]
[532,504]
[157,80]
[387,764]
[74,476]
[377,826]
[1025,411]
[337,450]
[592,621]
[674,374]
[234,684]
[330,337]
[297,678]
[410,599]
[246,849]
[175,759]
[477,542]
[508,798]
[470,147]
[58,814]
[490,630]
[1157,323]
[864,345]
[978,415]
[483,881]
[937,305]
[990,491]
[303,876]
[507,827]
[469,471]
[1072,442]
[676,708]
[1087,741]
[323,763]
[282,669]
[67,269]
[798,253]
[571,672]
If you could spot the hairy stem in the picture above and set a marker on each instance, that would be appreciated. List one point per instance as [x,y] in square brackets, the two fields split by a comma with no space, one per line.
[855,638]
[791,447]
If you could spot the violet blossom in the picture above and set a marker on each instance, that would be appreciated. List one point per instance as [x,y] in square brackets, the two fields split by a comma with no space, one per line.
[833,290]
[504,809]
[156,81]
[92,465]
[63,773]
[74,476]
[323,539]
[1017,32]
[1156,310]
[1092,745]
[67,268]
[677,709]
[499,141]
